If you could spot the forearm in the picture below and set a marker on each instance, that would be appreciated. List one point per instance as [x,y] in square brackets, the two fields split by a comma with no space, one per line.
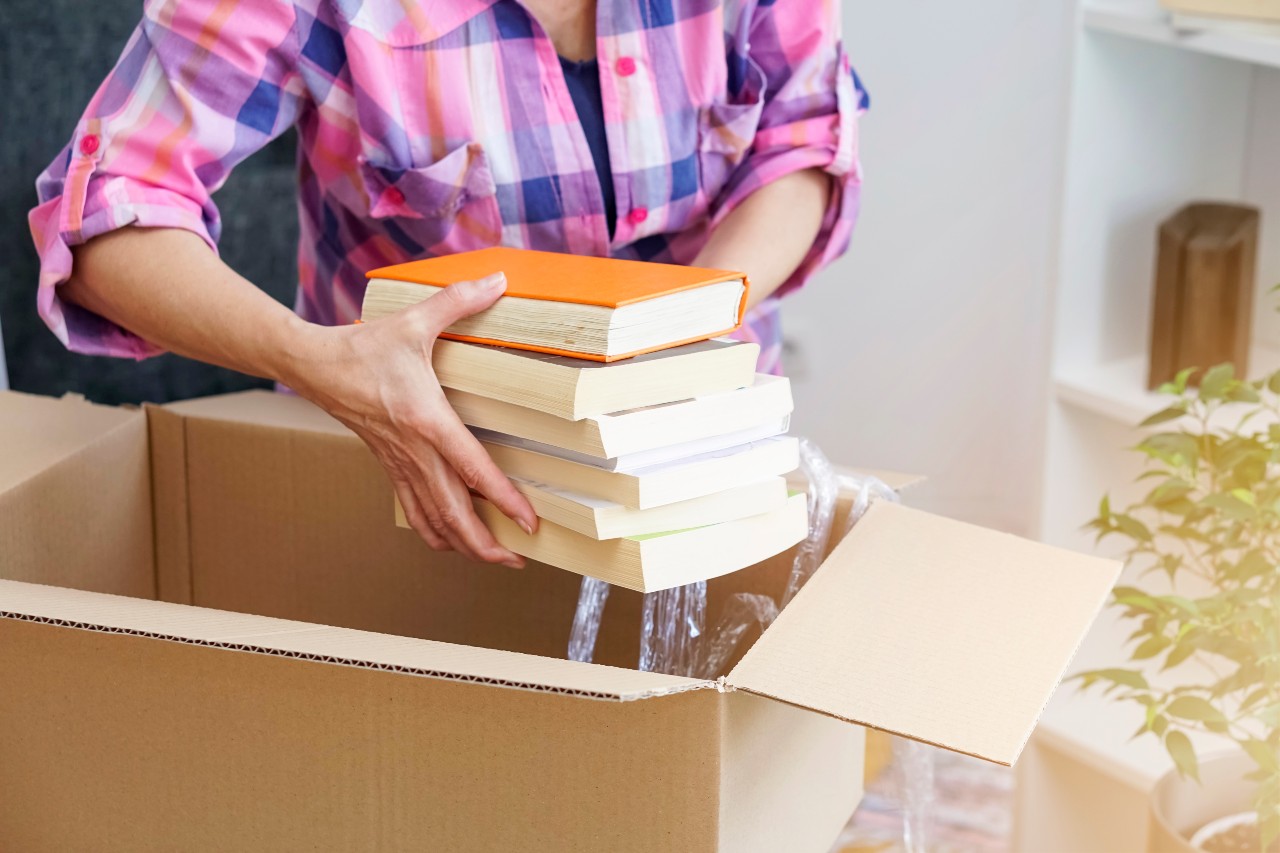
[166,286]
[769,234]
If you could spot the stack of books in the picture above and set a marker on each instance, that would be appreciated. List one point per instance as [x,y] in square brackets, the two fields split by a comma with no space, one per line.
[652,452]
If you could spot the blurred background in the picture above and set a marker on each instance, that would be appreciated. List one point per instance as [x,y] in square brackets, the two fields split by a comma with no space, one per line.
[990,326]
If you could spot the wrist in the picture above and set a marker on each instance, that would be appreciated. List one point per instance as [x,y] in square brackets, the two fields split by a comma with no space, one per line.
[295,351]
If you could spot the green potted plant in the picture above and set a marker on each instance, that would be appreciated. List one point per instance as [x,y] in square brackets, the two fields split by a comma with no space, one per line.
[1210,522]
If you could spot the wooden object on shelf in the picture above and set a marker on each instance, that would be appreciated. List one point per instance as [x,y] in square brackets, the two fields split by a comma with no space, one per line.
[1203,290]
[1261,9]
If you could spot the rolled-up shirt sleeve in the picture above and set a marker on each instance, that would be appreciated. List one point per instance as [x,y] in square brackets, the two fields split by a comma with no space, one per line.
[812,101]
[200,86]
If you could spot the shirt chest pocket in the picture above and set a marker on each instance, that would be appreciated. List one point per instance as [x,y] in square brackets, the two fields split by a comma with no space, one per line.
[727,130]
[448,206]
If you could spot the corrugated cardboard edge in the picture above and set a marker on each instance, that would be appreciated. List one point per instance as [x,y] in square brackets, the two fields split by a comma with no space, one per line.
[170,504]
[176,623]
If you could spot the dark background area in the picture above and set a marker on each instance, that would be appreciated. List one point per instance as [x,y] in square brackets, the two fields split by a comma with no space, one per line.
[53,56]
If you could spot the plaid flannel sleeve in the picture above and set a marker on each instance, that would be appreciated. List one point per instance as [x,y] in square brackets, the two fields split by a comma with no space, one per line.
[813,99]
[200,86]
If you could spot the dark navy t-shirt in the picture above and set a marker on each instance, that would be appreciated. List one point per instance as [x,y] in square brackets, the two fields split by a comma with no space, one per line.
[583,80]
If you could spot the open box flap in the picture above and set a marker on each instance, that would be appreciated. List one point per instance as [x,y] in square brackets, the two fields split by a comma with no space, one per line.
[39,432]
[248,633]
[932,629]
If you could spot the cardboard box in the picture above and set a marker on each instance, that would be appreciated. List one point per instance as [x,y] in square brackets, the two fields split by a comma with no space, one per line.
[313,677]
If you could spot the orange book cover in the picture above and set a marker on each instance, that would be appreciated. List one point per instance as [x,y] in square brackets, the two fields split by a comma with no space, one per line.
[555,277]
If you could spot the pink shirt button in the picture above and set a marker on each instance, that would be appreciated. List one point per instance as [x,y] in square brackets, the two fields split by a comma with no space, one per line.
[626,66]
[394,197]
[638,215]
[89,144]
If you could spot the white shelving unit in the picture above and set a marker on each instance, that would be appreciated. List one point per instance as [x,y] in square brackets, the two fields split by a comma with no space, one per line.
[1159,118]
[1118,389]
[1152,26]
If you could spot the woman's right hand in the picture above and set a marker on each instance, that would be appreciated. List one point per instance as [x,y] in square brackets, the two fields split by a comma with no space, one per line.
[377,379]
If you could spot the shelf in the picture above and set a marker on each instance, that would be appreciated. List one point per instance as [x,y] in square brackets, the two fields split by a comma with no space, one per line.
[1146,26]
[1118,389]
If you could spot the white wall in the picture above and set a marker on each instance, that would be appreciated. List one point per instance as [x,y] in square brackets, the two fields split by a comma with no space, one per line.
[925,348]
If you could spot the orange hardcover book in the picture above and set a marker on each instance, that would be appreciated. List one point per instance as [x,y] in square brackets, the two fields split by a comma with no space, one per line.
[600,309]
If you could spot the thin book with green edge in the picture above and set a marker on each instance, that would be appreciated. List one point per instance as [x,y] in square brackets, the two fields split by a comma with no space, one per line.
[660,561]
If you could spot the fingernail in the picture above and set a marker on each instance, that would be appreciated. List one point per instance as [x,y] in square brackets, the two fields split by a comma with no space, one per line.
[524,525]
[513,564]
[493,281]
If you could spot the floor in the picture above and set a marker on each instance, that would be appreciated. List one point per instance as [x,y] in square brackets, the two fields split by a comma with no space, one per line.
[972,810]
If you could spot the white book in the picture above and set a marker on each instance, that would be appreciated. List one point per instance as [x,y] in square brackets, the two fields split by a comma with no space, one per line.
[657,485]
[610,436]
[603,519]
[644,458]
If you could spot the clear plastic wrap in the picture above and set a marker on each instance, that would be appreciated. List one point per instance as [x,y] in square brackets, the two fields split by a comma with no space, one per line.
[822,492]
[742,611]
[914,764]
[674,639]
[671,627]
[586,619]
[866,489]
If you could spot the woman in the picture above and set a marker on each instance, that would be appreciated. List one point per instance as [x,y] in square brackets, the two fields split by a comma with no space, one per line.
[711,132]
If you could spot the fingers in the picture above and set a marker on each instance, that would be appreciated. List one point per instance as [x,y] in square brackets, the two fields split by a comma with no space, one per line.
[474,467]
[454,517]
[460,300]
[417,519]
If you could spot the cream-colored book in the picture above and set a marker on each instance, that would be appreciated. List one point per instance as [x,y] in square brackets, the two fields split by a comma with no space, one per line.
[601,519]
[573,389]
[658,485]
[767,400]
[657,561]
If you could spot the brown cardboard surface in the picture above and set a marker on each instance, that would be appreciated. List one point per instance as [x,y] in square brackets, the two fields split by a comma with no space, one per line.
[120,742]
[290,516]
[932,629]
[777,759]
[168,439]
[144,725]
[264,408]
[75,497]
[39,432]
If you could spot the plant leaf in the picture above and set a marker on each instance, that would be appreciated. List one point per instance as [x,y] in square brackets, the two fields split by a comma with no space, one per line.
[1170,413]
[1262,754]
[1216,380]
[1180,652]
[1124,677]
[1195,708]
[1183,754]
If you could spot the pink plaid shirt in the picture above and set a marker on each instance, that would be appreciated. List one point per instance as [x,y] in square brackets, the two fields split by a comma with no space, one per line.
[436,127]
